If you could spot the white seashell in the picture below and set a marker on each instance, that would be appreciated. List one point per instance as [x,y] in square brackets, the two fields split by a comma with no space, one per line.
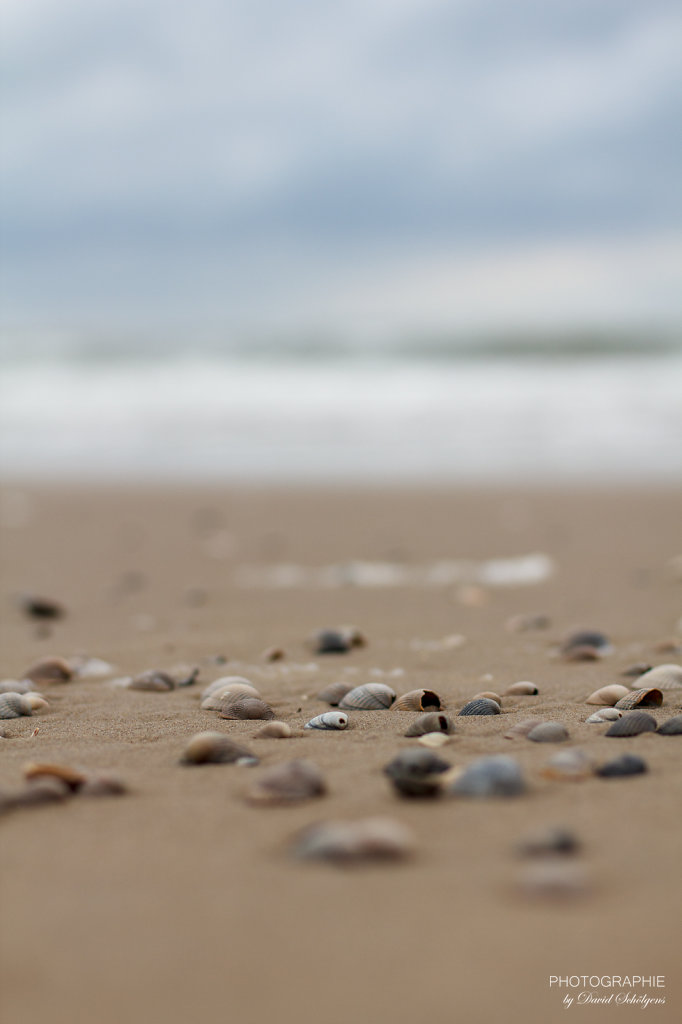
[523,689]
[16,686]
[231,692]
[227,681]
[548,732]
[329,720]
[274,730]
[434,740]
[608,695]
[605,715]
[568,765]
[662,677]
[370,697]
[14,705]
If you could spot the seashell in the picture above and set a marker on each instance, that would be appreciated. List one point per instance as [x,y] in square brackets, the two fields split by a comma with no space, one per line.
[41,607]
[275,731]
[673,726]
[636,670]
[16,686]
[489,776]
[632,724]
[273,654]
[337,641]
[416,772]
[418,700]
[90,668]
[626,764]
[608,695]
[488,695]
[156,681]
[334,693]
[69,776]
[604,715]
[228,694]
[577,645]
[103,785]
[663,677]
[370,697]
[522,728]
[568,766]
[649,697]
[582,653]
[549,841]
[431,722]
[371,839]
[548,732]
[287,783]
[329,720]
[49,670]
[482,706]
[14,705]
[246,708]
[524,623]
[555,881]
[521,690]
[433,740]
[215,748]
[229,682]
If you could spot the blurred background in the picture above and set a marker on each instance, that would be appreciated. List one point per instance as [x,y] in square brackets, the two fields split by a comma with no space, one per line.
[416,240]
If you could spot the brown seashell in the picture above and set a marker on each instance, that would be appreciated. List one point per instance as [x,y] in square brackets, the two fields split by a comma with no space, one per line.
[69,776]
[608,695]
[273,654]
[584,652]
[334,693]
[153,680]
[663,677]
[548,732]
[488,695]
[287,783]
[636,670]
[522,728]
[522,689]
[632,724]
[585,644]
[275,731]
[229,682]
[431,722]
[672,727]
[215,748]
[339,842]
[14,705]
[338,640]
[46,790]
[49,670]
[418,700]
[416,772]
[648,697]
[370,697]
[246,708]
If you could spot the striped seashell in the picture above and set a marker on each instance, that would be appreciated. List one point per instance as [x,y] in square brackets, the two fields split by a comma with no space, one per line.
[433,740]
[644,698]
[49,670]
[416,772]
[522,689]
[663,677]
[521,728]
[351,842]
[548,732]
[228,694]
[16,686]
[430,722]
[275,731]
[334,693]
[215,748]
[605,715]
[226,682]
[370,697]
[418,700]
[329,720]
[246,708]
[632,724]
[673,727]
[608,695]
[69,776]
[14,705]
[489,776]
[288,783]
[627,764]
[482,706]
[488,695]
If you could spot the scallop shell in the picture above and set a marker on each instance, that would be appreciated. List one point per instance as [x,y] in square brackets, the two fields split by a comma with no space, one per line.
[433,721]
[215,748]
[287,783]
[246,708]
[673,726]
[488,695]
[230,682]
[372,839]
[482,706]
[521,728]
[329,720]
[489,776]
[69,776]
[627,764]
[664,677]
[49,670]
[275,731]
[416,772]
[605,715]
[608,695]
[370,697]
[522,689]
[632,724]
[418,700]
[548,732]
[334,693]
[14,705]
[644,698]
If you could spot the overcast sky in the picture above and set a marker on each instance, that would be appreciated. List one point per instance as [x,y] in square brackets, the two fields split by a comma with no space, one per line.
[379,165]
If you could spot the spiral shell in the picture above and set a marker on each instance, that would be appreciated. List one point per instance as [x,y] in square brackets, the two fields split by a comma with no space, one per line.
[49,670]
[418,700]
[433,721]
[548,732]
[275,731]
[632,724]
[627,764]
[608,695]
[483,706]
[246,708]
[334,693]
[340,842]
[644,698]
[522,689]
[215,748]
[605,715]
[287,783]
[370,697]
[663,677]
[489,776]
[329,720]
[673,726]
[14,705]
[416,772]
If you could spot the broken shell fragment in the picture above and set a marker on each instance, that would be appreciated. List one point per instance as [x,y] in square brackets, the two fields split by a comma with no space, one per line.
[288,783]
[604,715]
[522,689]
[329,720]
[215,748]
[49,670]
[632,724]
[489,776]
[371,839]
[482,706]
[663,677]
[416,772]
[245,708]
[548,732]
[334,693]
[431,722]
[275,731]
[14,705]
[608,695]
[418,700]
[673,727]
[370,697]
[549,841]
[626,764]
[645,698]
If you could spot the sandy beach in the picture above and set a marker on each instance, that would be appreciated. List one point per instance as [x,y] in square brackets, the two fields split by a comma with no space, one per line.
[180,900]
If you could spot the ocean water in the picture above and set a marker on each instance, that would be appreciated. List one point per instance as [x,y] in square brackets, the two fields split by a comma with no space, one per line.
[504,412]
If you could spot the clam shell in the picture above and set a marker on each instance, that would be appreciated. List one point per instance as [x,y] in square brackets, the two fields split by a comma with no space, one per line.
[339,842]
[626,764]
[370,697]
[287,783]
[648,697]
[275,731]
[69,776]
[608,695]
[415,772]
[632,724]
[489,776]
[663,677]
[49,670]
[246,708]
[215,748]
[226,682]
[548,732]
[433,721]
[482,706]
[549,841]
[433,740]
[14,705]
[568,765]
[334,693]
[522,689]
[605,715]
[418,700]
[521,728]
[329,720]
[673,726]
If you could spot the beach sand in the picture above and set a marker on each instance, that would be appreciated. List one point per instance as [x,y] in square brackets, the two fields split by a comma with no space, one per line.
[180,901]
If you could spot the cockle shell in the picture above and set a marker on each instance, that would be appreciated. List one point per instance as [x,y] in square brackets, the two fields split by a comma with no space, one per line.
[156,681]
[608,695]
[522,689]
[334,693]
[352,842]
[228,694]
[627,764]
[482,706]
[605,715]
[430,722]
[370,697]
[215,748]
[287,783]
[663,677]
[246,708]
[673,726]
[14,705]
[648,697]
[69,776]
[521,728]
[632,724]
[229,682]
[416,772]
[329,720]
[489,776]
[49,670]
[568,766]
[275,731]
[418,700]
[548,732]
